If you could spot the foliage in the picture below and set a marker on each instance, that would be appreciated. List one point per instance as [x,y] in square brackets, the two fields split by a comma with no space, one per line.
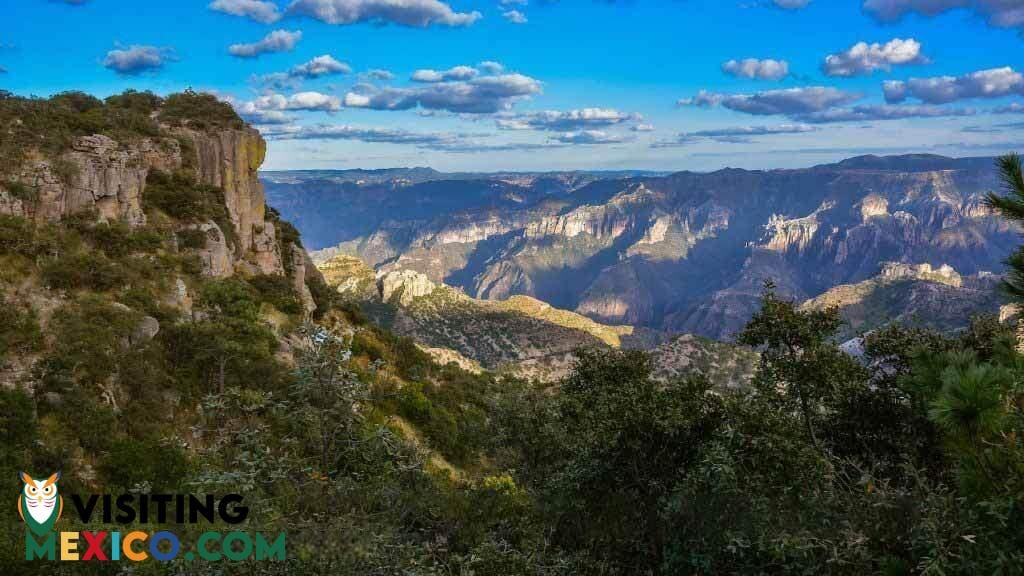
[19,330]
[278,291]
[199,110]
[1010,205]
[49,124]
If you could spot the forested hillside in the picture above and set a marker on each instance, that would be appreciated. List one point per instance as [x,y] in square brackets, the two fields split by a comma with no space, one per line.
[167,335]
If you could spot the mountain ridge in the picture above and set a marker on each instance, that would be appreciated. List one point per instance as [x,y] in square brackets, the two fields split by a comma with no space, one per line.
[686,252]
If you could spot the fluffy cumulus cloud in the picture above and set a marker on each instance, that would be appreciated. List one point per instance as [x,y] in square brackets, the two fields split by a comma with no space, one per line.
[757,69]
[324,65]
[567,121]
[883,112]
[276,41]
[863,58]
[994,83]
[643,128]
[456,73]
[258,10]
[274,108]
[590,137]
[514,16]
[999,13]
[491,67]
[789,101]
[136,59]
[478,95]
[417,13]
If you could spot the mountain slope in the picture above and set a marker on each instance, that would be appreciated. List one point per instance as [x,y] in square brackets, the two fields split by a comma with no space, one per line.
[940,299]
[689,252]
[519,335]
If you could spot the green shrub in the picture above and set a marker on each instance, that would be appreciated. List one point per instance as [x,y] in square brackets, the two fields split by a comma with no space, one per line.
[134,461]
[84,270]
[200,111]
[278,291]
[19,329]
[17,235]
[191,239]
[21,191]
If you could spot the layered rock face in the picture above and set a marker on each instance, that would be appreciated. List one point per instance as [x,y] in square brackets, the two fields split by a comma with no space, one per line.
[690,252]
[101,176]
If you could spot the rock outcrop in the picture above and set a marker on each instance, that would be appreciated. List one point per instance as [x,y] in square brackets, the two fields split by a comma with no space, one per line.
[101,176]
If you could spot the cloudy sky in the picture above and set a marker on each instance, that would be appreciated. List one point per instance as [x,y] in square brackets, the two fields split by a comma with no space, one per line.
[546,84]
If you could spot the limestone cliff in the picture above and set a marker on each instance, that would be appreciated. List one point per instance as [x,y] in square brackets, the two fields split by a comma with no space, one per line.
[107,178]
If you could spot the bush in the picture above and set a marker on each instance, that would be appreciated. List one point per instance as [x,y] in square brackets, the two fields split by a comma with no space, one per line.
[84,270]
[277,291]
[19,329]
[161,466]
[200,111]
[191,239]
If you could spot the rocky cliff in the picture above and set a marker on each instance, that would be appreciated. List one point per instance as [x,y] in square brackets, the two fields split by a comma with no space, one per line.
[104,178]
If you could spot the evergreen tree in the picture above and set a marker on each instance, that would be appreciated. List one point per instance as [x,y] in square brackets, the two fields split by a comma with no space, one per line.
[1011,206]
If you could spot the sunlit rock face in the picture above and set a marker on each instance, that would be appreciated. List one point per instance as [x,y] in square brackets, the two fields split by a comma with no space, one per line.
[688,251]
[100,176]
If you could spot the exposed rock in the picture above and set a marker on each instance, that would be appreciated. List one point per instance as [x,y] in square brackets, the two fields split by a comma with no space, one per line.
[147,329]
[686,252]
[216,256]
[299,278]
[229,159]
[95,174]
[405,285]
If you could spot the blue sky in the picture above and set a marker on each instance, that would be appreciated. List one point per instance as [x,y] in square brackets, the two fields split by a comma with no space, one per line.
[541,84]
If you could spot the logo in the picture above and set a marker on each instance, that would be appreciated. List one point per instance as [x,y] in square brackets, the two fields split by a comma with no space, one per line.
[40,505]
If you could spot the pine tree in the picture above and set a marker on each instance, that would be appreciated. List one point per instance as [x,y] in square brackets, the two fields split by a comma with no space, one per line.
[1011,206]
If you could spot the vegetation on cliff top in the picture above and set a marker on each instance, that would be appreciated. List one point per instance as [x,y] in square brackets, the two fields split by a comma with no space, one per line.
[49,125]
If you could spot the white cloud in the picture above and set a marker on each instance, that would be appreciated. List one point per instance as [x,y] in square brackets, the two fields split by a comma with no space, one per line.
[258,10]
[324,65]
[643,128]
[863,58]
[417,13]
[788,101]
[733,135]
[456,73]
[379,74]
[760,69]
[515,17]
[998,13]
[136,59]
[791,4]
[590,137]
[567,121]
[994,83]
[883,112]
[480,95]
[308,101]
[276,41]
[491,67]
[344,132]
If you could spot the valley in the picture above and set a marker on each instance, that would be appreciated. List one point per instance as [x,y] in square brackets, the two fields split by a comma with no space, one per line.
[679,253]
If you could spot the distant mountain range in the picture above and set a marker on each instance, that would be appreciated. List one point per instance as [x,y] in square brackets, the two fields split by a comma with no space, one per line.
[685,252]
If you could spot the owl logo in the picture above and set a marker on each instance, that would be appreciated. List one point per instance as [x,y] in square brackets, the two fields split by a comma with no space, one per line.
[39,504]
